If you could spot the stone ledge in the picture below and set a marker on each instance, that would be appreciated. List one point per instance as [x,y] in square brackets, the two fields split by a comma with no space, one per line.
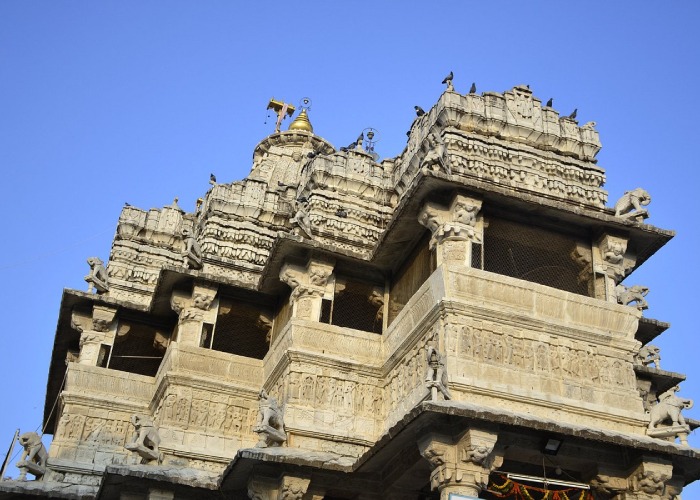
[47,489]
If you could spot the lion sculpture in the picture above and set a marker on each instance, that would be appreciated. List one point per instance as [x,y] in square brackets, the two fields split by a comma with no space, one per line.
[34,456]
[270,424]
[146,438]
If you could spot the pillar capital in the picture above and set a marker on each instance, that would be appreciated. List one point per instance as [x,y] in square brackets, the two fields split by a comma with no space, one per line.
[454,228]
[308,284]
[461,466]
[194,308]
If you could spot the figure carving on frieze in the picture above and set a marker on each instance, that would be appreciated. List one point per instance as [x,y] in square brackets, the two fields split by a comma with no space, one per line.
[33,459]
[627,295]
[270,424]
[97,279]
[631,203]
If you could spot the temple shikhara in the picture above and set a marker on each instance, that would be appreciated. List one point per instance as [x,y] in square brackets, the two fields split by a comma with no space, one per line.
[461,321]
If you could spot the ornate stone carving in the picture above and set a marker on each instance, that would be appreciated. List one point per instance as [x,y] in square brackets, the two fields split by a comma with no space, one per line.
[293,488]
[649,479]
[453,228]
[34,456]
[146,438]
[192,256]
[308,286]
[436,376]
[630,205]
[462,466]
[668,410]
[270,425]
[627,295]
[300,221]
[647,355]
[97,279]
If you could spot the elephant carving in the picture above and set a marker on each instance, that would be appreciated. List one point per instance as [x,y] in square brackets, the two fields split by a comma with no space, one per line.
[669,409]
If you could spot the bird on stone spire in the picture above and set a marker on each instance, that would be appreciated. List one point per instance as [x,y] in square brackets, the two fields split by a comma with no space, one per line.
[212,179]
[573,114]
[550,102]
[419,110]
[360,138]
[472,89]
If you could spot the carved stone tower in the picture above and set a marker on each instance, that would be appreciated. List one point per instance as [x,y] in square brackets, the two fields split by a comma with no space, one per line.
[451,323]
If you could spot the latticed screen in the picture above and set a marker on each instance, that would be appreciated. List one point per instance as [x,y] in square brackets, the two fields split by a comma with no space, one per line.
[354,305]
[138,348]
[239,330]
[410,277]
[535,254]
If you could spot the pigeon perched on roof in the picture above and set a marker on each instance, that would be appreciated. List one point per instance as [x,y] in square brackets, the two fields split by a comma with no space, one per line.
[549,103]
[448,78]
[573,114]
[352,145]
[419,110]
[360,138]
[472,89]
[212,179]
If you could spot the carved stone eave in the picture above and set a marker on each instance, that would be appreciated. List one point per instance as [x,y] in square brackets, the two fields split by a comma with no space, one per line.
[662,380]
[645,239]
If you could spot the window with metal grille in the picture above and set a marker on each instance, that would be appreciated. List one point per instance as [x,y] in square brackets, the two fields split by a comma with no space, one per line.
[354,305]
[138,348]
[536,254]
[418,267]
[240,328]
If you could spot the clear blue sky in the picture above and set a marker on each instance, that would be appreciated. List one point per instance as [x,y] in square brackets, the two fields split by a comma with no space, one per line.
[108,102]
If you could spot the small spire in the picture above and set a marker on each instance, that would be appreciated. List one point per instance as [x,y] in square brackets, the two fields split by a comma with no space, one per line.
[301,122]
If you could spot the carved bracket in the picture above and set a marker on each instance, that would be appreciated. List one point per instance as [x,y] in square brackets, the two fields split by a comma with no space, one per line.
[453,228]
[308,284]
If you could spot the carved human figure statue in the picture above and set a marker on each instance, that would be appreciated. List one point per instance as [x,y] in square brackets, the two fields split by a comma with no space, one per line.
[632,200]
[33,459]
[669,409]
[436,376]
[301,219]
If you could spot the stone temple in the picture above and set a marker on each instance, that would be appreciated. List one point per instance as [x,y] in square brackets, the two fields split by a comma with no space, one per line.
[450,323]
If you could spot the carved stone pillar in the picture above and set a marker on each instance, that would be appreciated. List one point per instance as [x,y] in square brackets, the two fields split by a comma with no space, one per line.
[454,229]
[287,487]
[95,330]
[308,286]
[611,263]
[194,309]
[651,480]
[463,466]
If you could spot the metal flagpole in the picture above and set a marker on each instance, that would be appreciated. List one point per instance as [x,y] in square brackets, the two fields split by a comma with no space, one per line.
[8,456]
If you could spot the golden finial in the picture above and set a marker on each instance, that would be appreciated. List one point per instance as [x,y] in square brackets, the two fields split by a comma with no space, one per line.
[301,122]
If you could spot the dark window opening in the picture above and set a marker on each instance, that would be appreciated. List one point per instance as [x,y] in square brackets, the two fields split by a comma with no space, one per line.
[138,348]
[241,329]
[538,255]
[355,305]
